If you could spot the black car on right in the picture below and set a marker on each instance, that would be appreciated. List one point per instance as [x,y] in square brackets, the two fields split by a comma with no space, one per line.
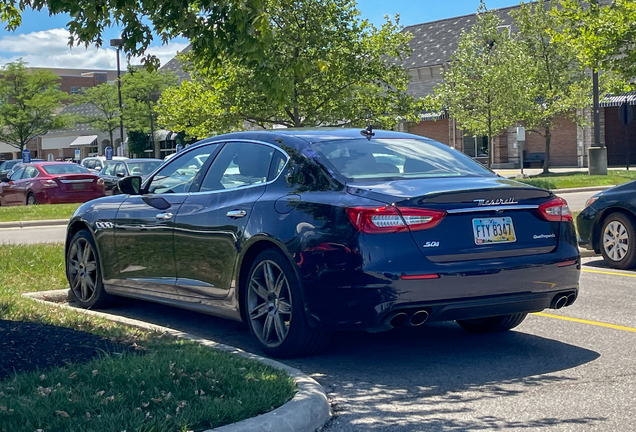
[607,225]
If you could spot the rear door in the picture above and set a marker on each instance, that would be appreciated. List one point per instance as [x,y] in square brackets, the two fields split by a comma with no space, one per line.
[211,223]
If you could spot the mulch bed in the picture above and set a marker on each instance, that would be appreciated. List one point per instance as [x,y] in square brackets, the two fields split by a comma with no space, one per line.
[27,347]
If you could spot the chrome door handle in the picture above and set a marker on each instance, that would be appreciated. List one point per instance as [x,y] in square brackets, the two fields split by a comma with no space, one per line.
[164,216]
[236,213]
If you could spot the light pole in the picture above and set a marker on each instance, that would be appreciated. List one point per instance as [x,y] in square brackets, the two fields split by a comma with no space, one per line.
[117,44]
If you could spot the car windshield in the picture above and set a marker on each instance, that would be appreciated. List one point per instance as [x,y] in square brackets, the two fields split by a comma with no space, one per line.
[142,168]
[361,159]
[65,168]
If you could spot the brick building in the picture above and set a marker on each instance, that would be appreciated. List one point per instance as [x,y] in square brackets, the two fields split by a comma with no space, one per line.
[63,143]
[433,43]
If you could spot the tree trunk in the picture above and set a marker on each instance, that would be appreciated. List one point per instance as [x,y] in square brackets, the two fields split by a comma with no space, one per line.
[546,161]
[112,143]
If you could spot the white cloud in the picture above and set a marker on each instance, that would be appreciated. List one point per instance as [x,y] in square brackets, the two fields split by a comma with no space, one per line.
[49,48]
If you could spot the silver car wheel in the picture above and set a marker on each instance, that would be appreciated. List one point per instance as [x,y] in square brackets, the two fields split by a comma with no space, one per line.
[616,241]
[83,270]
[269,303]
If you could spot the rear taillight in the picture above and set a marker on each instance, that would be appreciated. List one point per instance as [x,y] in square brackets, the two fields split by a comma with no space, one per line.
[49,183]
[555,210]
[390,219]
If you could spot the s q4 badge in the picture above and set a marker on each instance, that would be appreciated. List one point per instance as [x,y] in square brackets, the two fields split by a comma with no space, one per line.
[431,244]
[104,225]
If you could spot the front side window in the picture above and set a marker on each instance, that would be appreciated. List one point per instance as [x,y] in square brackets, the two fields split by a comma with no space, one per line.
[109,170]
[361,159]
[16,175]
[238,165]
[178,175]
[120,170]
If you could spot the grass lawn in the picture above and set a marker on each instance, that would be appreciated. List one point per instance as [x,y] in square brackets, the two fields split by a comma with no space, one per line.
[163,384]
[37,212]
[579,179]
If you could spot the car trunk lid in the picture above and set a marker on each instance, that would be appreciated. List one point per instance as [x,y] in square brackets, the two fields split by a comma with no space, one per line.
[77,183]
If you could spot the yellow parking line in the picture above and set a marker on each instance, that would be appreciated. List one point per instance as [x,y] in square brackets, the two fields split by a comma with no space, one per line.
[609,273]
[582,321]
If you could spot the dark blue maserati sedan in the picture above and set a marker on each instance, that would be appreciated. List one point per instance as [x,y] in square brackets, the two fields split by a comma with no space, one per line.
[302,232]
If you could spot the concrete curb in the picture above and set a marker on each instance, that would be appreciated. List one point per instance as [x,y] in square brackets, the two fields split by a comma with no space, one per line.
[308,410]
[34,223]
[582,189]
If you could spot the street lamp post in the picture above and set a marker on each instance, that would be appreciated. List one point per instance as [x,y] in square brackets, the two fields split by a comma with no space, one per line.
[117,44]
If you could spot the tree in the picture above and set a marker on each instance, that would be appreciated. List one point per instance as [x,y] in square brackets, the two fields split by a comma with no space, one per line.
[601,33]
[484,86]
[325,66]
[559,83]
[213,27]
[29,104]
[104,99]
[140,91]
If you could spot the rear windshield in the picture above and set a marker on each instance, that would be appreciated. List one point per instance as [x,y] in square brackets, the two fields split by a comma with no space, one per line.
[361,159]
[65,169]
[142,168]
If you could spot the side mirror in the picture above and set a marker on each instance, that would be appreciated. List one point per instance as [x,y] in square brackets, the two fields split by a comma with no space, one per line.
[130,185]
[120,174]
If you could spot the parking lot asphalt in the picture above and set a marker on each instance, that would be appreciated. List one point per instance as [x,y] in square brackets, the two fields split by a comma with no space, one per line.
[568,370]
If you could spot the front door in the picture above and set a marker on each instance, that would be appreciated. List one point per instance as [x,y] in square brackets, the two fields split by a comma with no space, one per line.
[144,225]
[11,188]
[212,221]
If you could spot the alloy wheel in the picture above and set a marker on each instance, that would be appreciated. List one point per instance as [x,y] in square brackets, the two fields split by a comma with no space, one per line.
[269,303]
[83,270]
[616,240]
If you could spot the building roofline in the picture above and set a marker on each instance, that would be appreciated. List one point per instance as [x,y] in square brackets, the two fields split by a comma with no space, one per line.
[462,16]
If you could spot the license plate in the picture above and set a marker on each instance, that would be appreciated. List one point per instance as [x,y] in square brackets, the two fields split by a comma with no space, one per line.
[494,230]
[77,186]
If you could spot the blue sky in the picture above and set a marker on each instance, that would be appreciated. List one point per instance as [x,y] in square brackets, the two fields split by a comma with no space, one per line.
[42,40]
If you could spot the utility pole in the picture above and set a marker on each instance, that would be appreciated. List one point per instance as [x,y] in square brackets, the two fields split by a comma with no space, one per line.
[117,44]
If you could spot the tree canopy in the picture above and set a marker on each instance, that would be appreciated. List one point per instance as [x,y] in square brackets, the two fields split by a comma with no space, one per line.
[324,66]
[213,27]
[558,83]
[29,102]
[485,85]
[105,101]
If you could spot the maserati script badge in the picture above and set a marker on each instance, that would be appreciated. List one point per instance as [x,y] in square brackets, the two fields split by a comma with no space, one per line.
[498,201]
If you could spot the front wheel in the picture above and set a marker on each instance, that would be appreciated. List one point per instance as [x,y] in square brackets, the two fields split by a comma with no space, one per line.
[617,241]
[494,324]
[274,309]
[83,272]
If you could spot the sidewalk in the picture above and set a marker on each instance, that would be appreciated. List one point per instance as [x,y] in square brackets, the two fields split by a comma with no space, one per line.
[34,223]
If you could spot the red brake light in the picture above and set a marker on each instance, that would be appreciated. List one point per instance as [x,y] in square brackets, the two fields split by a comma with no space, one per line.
[555,210]
[390,219]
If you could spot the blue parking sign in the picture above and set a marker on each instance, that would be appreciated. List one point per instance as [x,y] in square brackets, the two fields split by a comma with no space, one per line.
[109,153]
[26,156]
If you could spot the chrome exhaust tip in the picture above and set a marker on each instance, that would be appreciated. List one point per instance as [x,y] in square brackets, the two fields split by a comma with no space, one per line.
[398,320]
[418,318]
[560,302]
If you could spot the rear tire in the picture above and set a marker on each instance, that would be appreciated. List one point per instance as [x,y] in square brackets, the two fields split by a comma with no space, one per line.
[617,241]
[274,309]
[84,273]
[31,199]
[494,324]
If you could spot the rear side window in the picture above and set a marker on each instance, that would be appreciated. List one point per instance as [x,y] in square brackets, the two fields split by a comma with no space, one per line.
[238,165]
[30,172]
[361,159]
[70,168]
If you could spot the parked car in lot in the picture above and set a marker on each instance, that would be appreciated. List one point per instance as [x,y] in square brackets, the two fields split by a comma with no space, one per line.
[49,183]
[96,163]
[303,232]
[114,171]
[607,225]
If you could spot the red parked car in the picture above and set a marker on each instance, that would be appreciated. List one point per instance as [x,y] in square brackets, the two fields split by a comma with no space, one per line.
[50,183]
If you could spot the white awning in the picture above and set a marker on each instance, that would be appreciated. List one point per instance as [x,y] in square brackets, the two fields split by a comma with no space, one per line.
[84,140]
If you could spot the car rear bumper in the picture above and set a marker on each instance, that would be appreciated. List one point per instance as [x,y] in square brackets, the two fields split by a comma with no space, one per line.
[365,298]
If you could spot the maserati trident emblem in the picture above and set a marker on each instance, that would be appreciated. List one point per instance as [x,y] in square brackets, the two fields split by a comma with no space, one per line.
[498,201]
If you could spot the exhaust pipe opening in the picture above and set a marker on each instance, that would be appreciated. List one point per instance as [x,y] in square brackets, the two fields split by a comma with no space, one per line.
[561,302]
[571,299]
[398,320]
[418,318]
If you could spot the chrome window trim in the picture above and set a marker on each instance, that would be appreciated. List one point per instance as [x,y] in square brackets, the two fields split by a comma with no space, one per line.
[493,208]
[249,141]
